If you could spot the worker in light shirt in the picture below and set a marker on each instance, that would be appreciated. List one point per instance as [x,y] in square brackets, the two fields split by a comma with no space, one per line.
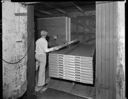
[41,50]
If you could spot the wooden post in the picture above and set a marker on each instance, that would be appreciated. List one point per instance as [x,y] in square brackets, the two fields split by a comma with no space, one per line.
[120,68]
[110,50]
[31,53]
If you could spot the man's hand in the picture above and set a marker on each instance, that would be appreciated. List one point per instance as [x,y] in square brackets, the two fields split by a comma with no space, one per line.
[56,48]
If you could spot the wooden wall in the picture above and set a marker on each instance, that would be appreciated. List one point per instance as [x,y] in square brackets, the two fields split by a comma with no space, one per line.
[14,49]
[107,43]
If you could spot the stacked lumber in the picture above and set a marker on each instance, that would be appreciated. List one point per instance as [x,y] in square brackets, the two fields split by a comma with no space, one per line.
[74,63]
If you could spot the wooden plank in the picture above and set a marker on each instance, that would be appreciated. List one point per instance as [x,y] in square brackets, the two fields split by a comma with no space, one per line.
[101,33]
[103,45]
[114,51]
[107,46]
[103,48]
[69,29]
[110,45]
[104,74]
[112,69]
[98,50]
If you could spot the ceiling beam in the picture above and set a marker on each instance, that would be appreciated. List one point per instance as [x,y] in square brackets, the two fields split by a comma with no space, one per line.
[78,7]
[30,2]
[39,14]
[45,12]
[60,10]
[56,8]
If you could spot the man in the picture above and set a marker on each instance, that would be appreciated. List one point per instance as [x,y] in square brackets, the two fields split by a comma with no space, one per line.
[41,50]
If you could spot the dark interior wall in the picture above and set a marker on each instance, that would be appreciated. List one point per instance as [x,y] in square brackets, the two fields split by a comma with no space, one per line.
[83,28]
[83,24]
[35,34]
[56,27]
[31,55]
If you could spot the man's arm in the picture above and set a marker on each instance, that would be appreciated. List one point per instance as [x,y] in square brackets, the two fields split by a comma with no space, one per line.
[46,49]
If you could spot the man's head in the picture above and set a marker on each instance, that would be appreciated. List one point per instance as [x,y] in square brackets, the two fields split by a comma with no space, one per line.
[43,33]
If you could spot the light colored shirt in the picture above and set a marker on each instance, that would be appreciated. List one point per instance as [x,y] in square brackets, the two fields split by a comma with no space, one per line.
[42,46]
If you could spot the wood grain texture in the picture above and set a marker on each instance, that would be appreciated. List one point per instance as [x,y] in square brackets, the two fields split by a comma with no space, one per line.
[112,69]
[115,47]
[105,68]
[107,47]
[98,50]
[120,64]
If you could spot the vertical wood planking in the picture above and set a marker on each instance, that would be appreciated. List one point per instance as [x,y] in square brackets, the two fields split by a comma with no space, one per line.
[103,65]
[108,49]
[68,29]
[111,51]
[105,51]
[98,50]
[106,44]
[115,48]
[108,25]
[120,61]
[106,57]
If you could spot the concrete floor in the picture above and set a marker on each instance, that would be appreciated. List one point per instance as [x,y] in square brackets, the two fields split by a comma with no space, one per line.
[76,89]
[59,89]
[52,94]
[55,94]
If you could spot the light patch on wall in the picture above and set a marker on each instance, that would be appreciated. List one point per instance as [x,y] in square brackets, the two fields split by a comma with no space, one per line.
[14,28]
[120,71]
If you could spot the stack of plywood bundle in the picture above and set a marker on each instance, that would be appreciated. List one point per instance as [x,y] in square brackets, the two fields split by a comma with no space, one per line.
[73,63]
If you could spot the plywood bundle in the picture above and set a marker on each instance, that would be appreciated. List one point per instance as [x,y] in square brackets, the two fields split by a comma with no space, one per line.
[74,64]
